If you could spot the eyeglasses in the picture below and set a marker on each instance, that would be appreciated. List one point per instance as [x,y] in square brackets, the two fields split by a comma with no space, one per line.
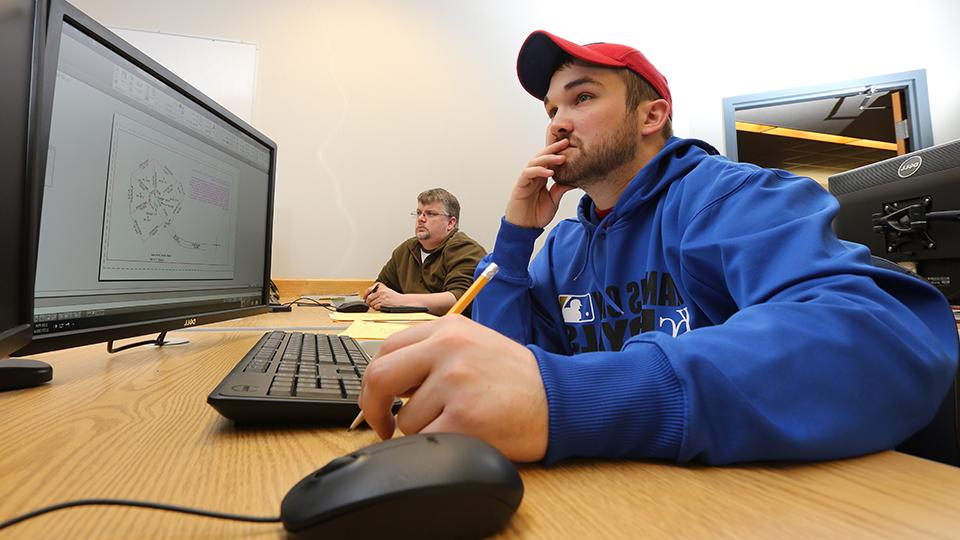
[429,214]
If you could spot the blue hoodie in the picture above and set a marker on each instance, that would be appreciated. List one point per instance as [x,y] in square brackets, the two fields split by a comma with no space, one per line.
[713,315]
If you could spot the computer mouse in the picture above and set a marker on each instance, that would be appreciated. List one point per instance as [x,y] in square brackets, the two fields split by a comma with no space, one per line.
[439,485]
[353,306]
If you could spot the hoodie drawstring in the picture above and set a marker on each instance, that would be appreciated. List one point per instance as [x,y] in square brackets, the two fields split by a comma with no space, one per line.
[590,259]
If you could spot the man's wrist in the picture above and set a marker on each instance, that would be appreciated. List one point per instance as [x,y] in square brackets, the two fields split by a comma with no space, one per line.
[513,247]
[540,427]
[515,221]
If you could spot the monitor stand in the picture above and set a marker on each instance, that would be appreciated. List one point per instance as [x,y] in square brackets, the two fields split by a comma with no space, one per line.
[21,373]
[160,341]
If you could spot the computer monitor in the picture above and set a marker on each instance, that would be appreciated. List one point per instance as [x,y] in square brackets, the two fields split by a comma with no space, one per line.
[20,40]
[907,209]
[157,203]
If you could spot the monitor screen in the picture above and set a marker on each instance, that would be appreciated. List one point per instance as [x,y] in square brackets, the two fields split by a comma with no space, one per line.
[907,209]
[157,202]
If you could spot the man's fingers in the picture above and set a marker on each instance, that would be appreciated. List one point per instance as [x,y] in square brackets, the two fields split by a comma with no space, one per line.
[372,296]
[367,292]
[535,176]
[424,405]
[555,147]
[387,377]
[531,182]
[546,160]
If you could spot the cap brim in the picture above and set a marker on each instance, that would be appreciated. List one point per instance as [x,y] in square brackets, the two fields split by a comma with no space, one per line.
[540,55]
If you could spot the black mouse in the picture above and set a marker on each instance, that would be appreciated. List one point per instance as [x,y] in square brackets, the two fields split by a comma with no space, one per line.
[353,306]
[441,485]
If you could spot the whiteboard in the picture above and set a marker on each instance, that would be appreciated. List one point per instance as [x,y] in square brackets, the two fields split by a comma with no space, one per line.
[224,70]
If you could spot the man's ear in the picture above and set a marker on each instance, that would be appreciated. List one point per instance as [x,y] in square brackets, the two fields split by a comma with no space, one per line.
[452,224]
[653,116]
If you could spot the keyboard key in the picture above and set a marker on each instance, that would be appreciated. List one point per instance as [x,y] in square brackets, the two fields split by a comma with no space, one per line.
[328,371]
[319,393]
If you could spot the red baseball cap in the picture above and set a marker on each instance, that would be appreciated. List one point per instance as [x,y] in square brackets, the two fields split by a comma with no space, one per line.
[542,52]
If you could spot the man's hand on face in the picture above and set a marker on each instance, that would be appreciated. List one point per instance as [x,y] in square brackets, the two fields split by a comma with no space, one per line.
[460,377]
[531,203]
[382,296]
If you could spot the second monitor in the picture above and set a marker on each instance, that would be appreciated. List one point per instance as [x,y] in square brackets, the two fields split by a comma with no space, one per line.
[907,209]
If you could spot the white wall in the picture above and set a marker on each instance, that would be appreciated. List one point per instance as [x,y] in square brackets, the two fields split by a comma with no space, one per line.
[372,101]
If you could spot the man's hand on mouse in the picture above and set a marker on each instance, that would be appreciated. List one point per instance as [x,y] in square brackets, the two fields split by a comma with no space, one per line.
[460,377]
[532,204]
[381,295]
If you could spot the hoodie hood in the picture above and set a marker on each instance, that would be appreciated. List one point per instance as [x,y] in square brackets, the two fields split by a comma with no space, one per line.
[674,161]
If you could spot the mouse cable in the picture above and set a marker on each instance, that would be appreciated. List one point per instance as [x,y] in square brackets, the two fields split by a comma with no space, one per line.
[326,305]
[140,504]
[306,299]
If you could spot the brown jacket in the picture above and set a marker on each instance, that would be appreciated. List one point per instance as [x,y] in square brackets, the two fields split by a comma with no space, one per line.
[450,267]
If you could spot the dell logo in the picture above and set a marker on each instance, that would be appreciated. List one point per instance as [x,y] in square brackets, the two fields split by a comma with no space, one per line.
[189,322]
[909,166]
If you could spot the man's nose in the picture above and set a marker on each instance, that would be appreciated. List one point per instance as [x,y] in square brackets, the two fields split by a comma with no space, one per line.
[560,126]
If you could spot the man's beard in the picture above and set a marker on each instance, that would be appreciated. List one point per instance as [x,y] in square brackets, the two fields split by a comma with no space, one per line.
[594,164]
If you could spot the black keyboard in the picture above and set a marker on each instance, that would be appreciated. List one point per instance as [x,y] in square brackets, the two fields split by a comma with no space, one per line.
[294,377]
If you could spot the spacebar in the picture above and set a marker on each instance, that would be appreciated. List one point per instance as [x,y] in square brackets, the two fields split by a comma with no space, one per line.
[319,393]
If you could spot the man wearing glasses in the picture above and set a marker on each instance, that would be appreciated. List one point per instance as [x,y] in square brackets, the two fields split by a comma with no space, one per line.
[435,267]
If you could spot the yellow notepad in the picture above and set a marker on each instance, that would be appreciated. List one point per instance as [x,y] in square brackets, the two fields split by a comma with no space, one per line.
[377,316]
[372,330]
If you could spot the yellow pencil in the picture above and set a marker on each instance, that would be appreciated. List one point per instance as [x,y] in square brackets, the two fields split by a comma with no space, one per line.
[456,308]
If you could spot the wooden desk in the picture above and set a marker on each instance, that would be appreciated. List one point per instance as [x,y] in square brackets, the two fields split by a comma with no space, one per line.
[136,425]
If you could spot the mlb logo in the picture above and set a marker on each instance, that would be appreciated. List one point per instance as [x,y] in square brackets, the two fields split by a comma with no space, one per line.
[576,308]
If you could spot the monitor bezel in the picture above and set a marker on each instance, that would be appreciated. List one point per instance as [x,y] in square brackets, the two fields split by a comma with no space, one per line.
[61,12]
[32,169]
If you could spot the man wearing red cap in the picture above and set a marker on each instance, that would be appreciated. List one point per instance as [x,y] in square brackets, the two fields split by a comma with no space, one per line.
[696,309]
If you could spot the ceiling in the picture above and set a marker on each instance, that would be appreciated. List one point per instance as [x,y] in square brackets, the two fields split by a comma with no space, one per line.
[818,160]
[868,115]
[862,116]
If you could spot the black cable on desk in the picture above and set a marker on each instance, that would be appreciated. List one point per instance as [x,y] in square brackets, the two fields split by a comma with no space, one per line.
[287,306]
[326,305]
[140,504]
[304,299]
[308,299]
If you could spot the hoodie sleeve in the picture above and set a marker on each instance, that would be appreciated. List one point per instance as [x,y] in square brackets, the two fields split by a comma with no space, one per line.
[517,301]
[814,352]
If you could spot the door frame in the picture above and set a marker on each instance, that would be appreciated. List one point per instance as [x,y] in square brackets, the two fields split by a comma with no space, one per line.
[917,103]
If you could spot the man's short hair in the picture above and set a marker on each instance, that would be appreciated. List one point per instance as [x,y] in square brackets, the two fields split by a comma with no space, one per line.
[638,91]
[450,203]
